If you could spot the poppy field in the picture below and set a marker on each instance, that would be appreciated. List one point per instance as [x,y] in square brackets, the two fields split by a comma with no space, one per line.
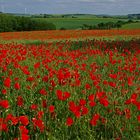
[70,90]
[60,35]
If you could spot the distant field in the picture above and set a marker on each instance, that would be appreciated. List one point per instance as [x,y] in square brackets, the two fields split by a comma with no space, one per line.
[131,26]
[76,23]
[62,35]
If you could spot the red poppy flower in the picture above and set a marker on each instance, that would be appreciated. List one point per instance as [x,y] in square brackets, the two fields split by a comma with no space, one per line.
[94,119]
[4,104]
[24,120]
[92,103]
[51,108]
[7,82]
[45,79]
[112,84]
[82,102]
[130,81]
[33,107]
[23,130]
[104,102]
[17,86]
[69,121]
[84,111]
[37,65]
[20,101]
[14,120]
[38,123]
[88,86]
[44,103]
[25,137]
[40,114]
[4,91]
[43,91]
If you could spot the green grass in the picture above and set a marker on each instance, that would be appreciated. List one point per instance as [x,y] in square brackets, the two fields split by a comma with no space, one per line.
[131,26]
[76,23]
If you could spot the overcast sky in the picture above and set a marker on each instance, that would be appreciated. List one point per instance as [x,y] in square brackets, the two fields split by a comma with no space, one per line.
[112,7]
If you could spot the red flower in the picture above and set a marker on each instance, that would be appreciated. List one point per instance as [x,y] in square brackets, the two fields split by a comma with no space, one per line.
[43,91]
[112,84]
[4,91]
[130,81]
[30,79]
[51,108]
[38,123]
[87,86]
[24,120]
[44,103]
[66,95]
[92,103]
[25,71]
[94,119]
[25,137]
[17,86]
[104,102]
[23,130]
[113,76]
[52,82]
[59,94]
[37,65]
[99,94]
[19,101]
[91,97]
[105,82]
[127,113]
[33,106]
[4,103]
[84,111]
[77,114]
[7,82]
[62,95]
[93,122]
[4,127]
[82,102]
[8,117]
[14,120]
[69,121]
[45,79]
[40,114]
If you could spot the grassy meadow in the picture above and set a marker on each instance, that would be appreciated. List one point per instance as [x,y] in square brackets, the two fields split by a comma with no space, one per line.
[76,23]
[131,26]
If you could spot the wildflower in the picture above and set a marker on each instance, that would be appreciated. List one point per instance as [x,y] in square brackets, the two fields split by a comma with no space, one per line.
[24,120]
[51,108]
[4,104]
[17,86]
[7,82]
[69,121]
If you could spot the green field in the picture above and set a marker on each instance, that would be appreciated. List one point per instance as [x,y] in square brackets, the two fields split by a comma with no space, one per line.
[76,23]
[131,26]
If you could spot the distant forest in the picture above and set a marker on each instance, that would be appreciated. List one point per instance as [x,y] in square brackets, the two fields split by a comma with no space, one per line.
[9,23]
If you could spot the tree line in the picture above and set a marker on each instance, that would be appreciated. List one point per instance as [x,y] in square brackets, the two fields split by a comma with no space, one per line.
[10,23]
[108,25]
